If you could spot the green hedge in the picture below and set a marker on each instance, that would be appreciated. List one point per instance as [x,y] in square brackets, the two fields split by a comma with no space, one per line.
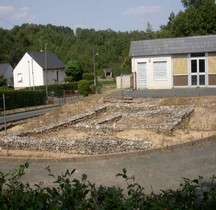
[72,193]
[22,98]
[58,89]
[88,76]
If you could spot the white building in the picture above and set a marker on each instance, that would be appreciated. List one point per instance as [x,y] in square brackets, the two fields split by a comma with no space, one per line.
[174,62]
[38,68]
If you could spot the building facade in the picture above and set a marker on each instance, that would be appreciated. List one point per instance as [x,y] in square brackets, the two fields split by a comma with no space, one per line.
[174,62]
[38,68]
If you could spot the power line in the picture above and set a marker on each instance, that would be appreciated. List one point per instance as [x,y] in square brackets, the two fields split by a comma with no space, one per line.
[7,21]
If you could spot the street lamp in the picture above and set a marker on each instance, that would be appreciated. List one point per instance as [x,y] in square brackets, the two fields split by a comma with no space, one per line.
[95,77]
[46,70]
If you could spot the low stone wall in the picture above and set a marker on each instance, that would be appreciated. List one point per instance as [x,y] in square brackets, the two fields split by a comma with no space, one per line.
[87,145]
[177,116]
[102,121]
[64,124]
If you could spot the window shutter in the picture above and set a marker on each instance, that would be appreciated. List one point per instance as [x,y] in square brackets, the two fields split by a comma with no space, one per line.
[160,70]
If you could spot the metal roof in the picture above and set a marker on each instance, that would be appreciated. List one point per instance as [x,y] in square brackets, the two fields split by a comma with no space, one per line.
[53,62]
[170,46]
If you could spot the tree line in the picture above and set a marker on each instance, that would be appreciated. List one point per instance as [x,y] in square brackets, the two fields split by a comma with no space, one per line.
[111,47]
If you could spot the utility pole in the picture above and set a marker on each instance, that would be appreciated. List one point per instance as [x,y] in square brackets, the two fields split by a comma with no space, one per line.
[5,122]
[95,76]
[46,71]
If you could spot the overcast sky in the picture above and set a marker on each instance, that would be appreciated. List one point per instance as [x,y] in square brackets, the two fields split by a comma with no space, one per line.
[118,15]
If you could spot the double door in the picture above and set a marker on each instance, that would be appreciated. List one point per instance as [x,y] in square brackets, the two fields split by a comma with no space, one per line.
[198,75]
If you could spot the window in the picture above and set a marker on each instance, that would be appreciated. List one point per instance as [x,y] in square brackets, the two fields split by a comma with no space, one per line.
[198,72]
[19,77]
[160,70]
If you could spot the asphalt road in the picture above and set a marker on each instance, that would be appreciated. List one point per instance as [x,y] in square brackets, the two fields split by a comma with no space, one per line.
[155,170]
[24,115]
[163,93]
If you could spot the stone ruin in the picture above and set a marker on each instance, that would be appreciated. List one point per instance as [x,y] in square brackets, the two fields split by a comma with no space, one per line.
[112,117]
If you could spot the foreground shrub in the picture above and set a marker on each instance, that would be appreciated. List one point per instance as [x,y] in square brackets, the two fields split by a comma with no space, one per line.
[83,87]
[88,76]
[81,194]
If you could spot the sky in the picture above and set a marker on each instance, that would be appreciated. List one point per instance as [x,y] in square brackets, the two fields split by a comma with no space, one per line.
[117,15]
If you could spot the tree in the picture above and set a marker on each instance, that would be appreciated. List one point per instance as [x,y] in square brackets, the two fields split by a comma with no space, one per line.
[197,19]
[149,31]
[192,3]
[73,70]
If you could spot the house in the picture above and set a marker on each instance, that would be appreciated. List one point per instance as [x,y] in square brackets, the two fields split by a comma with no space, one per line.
[107,72]
[174,62]
[6,70]
[38,68]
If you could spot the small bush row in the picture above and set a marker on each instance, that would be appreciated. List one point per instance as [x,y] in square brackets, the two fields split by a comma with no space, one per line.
[71,193]
[21,98]
[58,89]
[86,87]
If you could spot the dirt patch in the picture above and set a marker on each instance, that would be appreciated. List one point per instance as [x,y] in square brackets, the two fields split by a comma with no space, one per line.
[201,124]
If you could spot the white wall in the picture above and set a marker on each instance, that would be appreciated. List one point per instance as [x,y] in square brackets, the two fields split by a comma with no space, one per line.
[151,82]
[33,75]
[30,71]
[123,81]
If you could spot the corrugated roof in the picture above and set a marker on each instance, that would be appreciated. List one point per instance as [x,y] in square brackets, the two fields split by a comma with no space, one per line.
[53,62]
[194,44]
[3,68]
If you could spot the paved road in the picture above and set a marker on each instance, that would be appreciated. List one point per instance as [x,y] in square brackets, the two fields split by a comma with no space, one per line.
[159,169]
[24,115]
[181,92]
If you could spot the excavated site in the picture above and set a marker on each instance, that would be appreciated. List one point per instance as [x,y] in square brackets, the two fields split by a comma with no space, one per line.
[95,126]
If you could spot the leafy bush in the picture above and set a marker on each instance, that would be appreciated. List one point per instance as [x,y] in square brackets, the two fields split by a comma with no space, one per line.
[69,79]
[71,193]
[88,76]
[99,87]
[92,88]
[59,88]
[83,87]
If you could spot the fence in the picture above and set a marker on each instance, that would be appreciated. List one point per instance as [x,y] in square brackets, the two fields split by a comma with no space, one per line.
[16,102]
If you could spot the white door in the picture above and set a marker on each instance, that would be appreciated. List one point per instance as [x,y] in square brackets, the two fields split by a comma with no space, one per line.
[141,75]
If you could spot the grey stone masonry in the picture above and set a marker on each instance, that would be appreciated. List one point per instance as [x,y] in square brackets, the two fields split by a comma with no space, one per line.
[101,122]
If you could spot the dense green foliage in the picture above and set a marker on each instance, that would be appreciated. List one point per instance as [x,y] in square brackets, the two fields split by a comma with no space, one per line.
[88,76]
[58,89]
[84,87]
[73,70]
[197,19]
[71,193]
[22,98]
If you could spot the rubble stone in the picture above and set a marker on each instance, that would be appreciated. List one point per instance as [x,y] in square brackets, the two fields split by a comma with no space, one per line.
[102,121]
